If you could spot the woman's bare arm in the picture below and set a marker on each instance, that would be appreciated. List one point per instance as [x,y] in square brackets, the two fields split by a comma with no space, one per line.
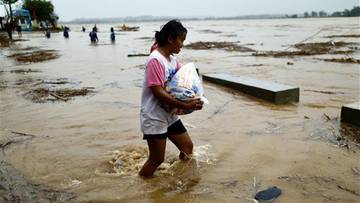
[161,94]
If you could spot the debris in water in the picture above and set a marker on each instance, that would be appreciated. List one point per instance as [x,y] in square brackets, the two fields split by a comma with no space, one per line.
[20,40]
[146,38]
[35,56]
[210,31]
[228,46]
[74,183]
[229,184]
[229,35]
[268,194]
[59,81]
[125,28]
[41,95]
[356,171]
[13,137]
[354,192]
[308,49]
[137,55]
[326,117]
[24,71]
[338,134]
[316,185]
[343,36]
[343,60]
[4,40]
[324,92]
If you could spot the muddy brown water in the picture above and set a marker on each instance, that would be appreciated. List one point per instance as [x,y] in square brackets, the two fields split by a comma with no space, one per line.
[90,148]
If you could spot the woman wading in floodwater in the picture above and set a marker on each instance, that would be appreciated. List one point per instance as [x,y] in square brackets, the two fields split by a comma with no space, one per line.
[156,123]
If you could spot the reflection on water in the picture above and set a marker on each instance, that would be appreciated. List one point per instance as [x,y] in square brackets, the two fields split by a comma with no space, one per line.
[91,145]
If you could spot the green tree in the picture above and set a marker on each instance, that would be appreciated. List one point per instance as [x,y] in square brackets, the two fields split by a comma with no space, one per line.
[10,22]
[41,10]
[306,14]
[355,11]
[346,13]
[314,14]
[337,14]
[322,14]
[9,3]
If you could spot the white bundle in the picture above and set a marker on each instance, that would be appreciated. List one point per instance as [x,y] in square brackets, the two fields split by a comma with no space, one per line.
[186,85]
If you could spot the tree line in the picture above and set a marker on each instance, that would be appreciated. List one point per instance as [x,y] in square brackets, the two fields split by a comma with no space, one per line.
[314,14]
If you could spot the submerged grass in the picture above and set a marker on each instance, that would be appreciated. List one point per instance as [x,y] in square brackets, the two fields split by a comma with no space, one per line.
[228,46]
[309,49]
[42,95]
[35,56]
[343,60]
[4,40]
[343,36]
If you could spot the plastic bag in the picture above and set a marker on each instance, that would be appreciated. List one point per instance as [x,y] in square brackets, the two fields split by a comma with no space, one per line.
[185,85]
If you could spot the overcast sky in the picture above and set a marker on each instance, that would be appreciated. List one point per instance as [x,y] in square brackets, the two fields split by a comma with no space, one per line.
[71,9]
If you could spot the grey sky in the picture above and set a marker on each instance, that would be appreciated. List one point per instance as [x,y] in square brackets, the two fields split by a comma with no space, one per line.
[71,9]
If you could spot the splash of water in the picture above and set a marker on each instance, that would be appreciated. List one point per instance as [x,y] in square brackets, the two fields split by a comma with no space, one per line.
[128,162]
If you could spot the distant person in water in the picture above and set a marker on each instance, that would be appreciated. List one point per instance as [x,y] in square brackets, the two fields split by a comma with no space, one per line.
[66,32]
[112,35]
[83,29]
[9,27]
[93,36]
[18,29]
[47,33]
[95,28]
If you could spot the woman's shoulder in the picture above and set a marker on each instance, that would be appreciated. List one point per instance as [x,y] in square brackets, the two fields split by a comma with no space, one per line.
[154,56]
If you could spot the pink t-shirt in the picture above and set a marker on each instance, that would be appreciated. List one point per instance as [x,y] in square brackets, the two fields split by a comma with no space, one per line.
[154,119]
[156,73]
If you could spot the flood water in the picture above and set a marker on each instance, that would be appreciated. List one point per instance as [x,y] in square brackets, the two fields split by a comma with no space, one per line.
[91,146]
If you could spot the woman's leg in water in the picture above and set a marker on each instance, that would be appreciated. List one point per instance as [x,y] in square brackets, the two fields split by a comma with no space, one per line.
[156,156]
[183,143]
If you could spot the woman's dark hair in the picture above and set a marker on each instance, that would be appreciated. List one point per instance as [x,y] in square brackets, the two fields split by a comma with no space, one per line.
[171,29]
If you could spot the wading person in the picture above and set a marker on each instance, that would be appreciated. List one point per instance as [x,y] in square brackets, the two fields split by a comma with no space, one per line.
[157,124]
[66,32]
[112,35]
[93,36]
[19,30]
[47,33]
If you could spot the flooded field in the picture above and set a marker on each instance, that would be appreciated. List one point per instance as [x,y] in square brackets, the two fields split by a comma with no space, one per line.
[69,115]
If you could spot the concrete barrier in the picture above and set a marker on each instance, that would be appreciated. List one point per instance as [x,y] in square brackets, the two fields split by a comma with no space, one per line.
[270,91]
[350,113]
